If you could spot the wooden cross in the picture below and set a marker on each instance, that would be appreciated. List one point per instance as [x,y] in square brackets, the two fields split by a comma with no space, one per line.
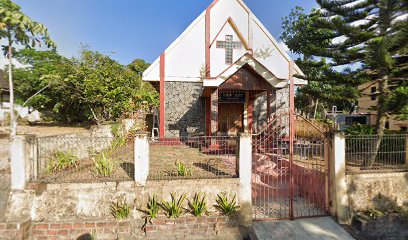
[229,45]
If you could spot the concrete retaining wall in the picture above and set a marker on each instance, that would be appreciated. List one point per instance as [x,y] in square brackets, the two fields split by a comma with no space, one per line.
[377,190]
[56,202]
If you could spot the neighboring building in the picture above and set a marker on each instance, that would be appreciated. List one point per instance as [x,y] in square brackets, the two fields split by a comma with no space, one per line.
[23,112]
[367,103]
[4,88]
[225,74]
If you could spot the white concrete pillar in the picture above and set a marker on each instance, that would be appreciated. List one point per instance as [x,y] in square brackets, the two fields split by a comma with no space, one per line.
[244,167]
[340,203]
[19,158]
[141,158]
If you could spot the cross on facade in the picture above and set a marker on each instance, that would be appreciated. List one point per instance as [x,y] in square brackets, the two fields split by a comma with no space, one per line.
[229,45]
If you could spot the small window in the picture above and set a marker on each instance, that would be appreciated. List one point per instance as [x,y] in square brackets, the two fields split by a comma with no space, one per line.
[387,125]
[373,93]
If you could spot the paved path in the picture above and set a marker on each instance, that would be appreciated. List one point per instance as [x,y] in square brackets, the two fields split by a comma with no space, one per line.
[324,228]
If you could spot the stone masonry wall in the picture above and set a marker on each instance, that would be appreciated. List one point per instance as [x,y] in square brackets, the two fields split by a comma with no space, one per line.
[185,109]
[377,190]
[279,104]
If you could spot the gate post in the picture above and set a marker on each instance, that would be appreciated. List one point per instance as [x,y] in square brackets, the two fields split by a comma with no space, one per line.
[141,158]
[20,153]
[339,198]
[244,167]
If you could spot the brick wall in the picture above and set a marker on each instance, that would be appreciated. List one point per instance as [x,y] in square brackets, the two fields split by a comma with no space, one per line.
[15,231]
[208,227]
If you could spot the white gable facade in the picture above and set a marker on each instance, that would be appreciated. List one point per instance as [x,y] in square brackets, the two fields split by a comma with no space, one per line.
[226,59]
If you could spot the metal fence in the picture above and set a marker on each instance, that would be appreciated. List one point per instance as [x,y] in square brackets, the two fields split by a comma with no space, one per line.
[77,158]
[193,158]
[368,153]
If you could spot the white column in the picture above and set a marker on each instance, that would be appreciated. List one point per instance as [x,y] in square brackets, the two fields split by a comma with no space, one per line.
[340,203]
[244,166]
[19,163]
[141,159]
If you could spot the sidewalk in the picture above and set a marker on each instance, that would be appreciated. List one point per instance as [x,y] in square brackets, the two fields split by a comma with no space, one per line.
[324,228]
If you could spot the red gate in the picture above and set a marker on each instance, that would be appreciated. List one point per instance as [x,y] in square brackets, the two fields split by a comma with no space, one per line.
[289,180]
[290,167]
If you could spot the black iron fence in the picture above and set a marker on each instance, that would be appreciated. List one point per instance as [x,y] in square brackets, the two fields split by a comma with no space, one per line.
[368,153]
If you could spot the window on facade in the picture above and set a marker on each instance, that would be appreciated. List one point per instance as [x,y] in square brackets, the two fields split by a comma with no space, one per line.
[373,93]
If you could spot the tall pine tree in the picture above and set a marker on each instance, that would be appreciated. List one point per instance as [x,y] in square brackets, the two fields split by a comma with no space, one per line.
[349,42]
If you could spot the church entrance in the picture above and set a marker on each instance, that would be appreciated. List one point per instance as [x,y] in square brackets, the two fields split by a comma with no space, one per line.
[231,107]
[230,118]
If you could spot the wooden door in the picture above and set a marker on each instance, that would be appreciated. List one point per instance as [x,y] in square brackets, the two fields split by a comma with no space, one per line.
[230,118]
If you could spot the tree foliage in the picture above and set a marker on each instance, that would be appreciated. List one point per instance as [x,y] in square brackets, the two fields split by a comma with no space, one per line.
[345,43]
[91,88]
[18,29]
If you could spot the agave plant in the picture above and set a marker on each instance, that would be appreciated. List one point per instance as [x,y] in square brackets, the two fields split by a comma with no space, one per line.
[174,208]
[103,164]
[198,205]
[226,207]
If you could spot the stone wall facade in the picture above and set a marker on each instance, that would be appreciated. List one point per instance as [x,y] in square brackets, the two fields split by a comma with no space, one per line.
[279,106]
[377,190]
[185,109]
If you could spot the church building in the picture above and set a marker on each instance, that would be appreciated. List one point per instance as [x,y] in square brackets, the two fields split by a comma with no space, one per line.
[225,74]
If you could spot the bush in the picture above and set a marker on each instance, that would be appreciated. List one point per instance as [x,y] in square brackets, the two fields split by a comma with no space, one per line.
[198,205]
[120,210]
[226,207]
[174,208]
[360,129]
[104,166]
[62,160]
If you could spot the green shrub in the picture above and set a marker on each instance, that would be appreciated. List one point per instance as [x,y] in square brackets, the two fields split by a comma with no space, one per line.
[103,164]
[183,170]
[119,141]
[360,129]
[152,207]
[174,208]
[226,207]
[198,205]
[120,210]
[151,212]
[62,160]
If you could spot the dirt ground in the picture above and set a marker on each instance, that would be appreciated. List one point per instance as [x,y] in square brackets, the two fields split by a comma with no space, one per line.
[43,130]
[163,160]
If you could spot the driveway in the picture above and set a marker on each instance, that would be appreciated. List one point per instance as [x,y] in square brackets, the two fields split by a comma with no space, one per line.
[324,228]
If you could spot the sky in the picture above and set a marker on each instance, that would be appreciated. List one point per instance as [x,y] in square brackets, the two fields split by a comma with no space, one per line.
[130,29]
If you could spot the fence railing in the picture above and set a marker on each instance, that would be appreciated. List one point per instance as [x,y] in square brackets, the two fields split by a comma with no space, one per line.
[77,158]
[193,158]
[368,153]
